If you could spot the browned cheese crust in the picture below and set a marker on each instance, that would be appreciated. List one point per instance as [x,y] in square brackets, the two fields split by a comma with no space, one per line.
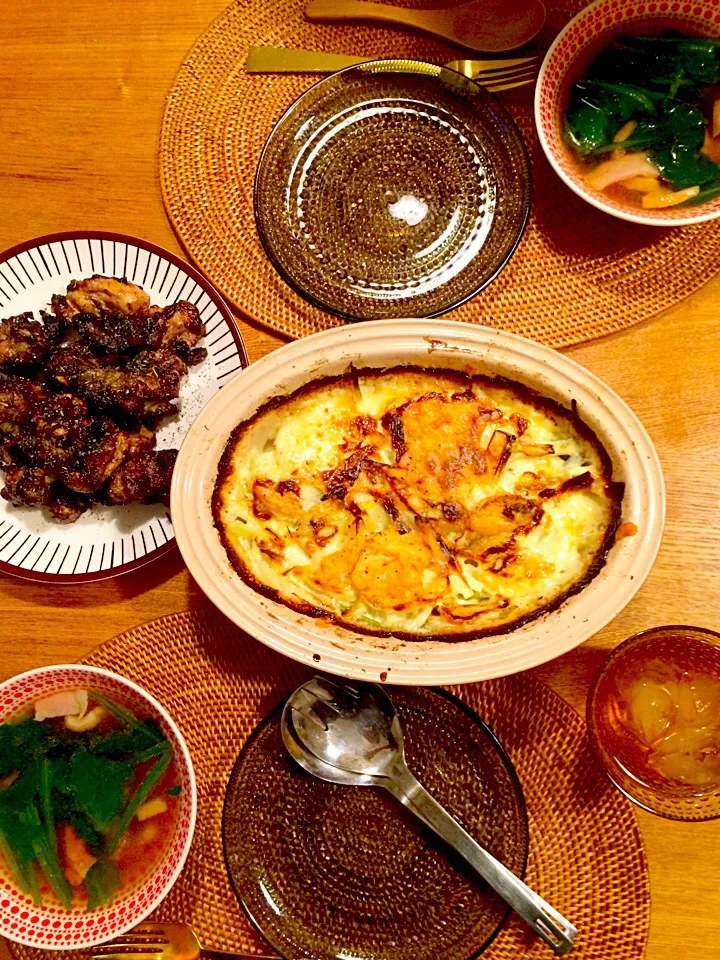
[440,464]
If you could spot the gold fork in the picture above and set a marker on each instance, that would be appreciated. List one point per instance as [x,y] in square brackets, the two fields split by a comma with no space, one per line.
[159,941]
[494,75]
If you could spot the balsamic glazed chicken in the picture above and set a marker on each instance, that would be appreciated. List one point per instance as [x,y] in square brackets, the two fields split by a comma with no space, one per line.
[82,392]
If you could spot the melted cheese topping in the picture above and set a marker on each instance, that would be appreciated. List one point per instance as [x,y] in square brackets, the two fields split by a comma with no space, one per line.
[416,502]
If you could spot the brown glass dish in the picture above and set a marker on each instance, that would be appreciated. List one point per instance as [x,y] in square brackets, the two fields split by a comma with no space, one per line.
[392,189]
[327,872]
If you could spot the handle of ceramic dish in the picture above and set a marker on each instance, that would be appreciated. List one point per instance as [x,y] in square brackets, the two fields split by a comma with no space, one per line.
[547,923]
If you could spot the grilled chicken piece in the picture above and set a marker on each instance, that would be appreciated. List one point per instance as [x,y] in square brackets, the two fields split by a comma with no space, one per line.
[104,454]
[98,296]
[54,326]
[162,370]
[116,315]
[194,357]
[132,394]
[108,313]
[18,398]
[23,341]
[142,397]
[28,485]
[34,486]
[68,506]
[9,453]
[182,326]
[58,427]
[68,362]
[117,333]
[144,478]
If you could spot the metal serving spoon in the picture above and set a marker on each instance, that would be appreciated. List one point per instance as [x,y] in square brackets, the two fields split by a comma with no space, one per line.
[350,734]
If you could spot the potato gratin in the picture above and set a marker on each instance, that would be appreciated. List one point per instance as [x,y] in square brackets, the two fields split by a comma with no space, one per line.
[417,503]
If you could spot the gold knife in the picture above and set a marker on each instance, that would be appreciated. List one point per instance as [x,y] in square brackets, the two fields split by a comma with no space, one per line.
[283,60]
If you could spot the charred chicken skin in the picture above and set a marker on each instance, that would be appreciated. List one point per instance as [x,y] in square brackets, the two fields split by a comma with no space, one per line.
[115,315]
[36,487]
[18,397]
[144,478]
[24,341]
[104,454]
[82,392]
[146,398]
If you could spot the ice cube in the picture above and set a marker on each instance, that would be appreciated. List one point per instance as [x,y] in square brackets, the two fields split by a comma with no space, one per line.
[652,710]
[690,756]
[698,702]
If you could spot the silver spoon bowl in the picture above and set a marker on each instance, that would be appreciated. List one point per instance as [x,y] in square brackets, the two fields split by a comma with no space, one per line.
[350,734]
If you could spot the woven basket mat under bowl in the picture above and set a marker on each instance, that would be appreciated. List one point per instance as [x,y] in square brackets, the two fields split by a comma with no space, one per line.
[586,854]
[578,273]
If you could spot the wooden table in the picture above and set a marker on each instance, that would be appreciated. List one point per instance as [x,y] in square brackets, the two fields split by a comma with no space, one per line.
[82,88]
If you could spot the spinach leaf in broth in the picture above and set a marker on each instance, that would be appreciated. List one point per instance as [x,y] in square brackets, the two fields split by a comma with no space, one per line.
[684,167]
[44,845]
[102,882]
[588,127]
[67,812]
[20,859]
[152,777]
[646,134]
[23,742]
[707,193]
[124,742]
[15,839]
[598,110]
[660,62]
[685,125]
[98,786]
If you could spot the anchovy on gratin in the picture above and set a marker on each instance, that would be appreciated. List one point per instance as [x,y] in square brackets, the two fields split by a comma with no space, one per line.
[418,503]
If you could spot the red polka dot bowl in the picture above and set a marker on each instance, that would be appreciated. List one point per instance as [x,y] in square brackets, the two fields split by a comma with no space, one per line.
[592,30]
[50,927]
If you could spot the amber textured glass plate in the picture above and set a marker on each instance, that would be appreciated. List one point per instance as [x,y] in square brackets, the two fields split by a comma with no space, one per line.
[392,189]
[329,872]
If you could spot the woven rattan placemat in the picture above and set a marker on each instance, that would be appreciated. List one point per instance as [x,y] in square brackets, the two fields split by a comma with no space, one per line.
[578,273]
[586,853]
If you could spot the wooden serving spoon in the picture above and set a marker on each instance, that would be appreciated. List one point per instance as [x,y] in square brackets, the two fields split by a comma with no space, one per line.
[489,25]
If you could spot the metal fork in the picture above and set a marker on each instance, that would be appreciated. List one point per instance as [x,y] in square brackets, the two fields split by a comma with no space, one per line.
[494,75]
[498,75]
[159,941]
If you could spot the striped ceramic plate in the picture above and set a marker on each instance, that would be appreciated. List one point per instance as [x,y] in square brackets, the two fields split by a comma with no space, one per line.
[109,540]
